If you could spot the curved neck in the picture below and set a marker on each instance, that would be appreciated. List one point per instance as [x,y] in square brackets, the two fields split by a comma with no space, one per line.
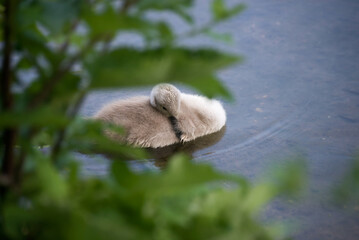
[175,127]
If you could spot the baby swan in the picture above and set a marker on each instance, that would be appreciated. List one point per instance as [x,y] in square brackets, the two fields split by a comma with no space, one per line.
[166,117]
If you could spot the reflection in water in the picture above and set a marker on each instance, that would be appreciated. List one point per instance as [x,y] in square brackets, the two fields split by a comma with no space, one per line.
[161,155]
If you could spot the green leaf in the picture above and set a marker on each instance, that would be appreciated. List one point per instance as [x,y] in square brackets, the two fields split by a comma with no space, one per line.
[346,191]
[163,5]
[52,184]
[109,22]
[67,87]
[24,63]
[179,7]
[221,12]
[88,136]
[197,68]
[29,38]
[226,38]
[210,86]
[16,217]
[218,9]
[182,174]
[78,39]
[258,196]
[54,15]
[41,117]
[42,139]
[166,35]
[183,13]
[290,178]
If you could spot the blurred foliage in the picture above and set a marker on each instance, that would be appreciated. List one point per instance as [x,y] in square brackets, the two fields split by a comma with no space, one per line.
[192,67]
[347,190]
[67,46]
[185,201]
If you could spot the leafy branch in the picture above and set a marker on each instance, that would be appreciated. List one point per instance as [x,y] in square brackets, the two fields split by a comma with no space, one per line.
[220,13]
[58,74]
[38,190]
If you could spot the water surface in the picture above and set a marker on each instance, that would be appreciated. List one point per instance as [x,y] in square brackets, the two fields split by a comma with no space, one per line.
[296,93]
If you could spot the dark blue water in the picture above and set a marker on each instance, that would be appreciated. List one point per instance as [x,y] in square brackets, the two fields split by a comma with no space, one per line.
[296,93]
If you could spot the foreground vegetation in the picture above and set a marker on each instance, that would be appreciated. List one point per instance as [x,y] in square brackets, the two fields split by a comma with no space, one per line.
[53,54]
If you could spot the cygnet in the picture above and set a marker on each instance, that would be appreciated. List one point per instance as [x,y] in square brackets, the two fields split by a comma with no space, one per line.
[166,117]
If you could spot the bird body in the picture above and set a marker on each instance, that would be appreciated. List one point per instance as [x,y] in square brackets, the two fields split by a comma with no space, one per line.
[166,117]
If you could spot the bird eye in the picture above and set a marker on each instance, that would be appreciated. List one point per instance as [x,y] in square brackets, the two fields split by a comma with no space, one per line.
[164,108]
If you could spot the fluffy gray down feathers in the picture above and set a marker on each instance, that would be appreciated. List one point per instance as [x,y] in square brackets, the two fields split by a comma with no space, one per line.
[145,119]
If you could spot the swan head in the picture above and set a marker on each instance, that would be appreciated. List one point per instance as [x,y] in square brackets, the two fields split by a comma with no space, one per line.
[166,98]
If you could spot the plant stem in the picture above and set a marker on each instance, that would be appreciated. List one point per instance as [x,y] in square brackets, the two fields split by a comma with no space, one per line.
[9,134]
[72,28]
[195,31]
[72,112]
[58,75]
[22,156]
[127,5]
